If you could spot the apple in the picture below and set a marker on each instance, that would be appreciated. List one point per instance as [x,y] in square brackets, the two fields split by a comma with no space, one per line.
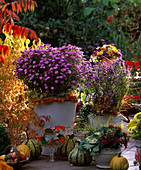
[13,155]
[22,157]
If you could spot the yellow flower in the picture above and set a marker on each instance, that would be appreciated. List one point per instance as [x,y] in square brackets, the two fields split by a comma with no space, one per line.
[100,53]
[110,51]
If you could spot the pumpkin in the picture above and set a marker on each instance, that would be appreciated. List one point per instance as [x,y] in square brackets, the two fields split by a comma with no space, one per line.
[119,163]
[35,147]
[66,147]
[3,165]
[24,150]
[79,158]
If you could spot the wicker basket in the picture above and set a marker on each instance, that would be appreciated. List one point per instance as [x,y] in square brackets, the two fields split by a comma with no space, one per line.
[18,163]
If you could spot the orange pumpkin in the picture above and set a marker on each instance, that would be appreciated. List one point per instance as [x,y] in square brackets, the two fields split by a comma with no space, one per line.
[119,163]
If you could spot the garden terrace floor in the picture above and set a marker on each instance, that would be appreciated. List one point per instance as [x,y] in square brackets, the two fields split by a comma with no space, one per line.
[43,162]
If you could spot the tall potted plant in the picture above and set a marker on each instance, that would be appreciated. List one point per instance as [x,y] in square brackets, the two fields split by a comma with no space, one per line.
[107,83]
[53,76]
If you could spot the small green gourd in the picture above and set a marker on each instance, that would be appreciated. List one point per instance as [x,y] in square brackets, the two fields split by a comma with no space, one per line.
[67,146]
[35,147]
[79,158]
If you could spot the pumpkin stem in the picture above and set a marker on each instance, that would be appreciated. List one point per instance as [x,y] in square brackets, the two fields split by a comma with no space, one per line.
[27,136]
[119,155]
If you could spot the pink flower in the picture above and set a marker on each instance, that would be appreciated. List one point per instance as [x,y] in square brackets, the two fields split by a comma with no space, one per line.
[52,87]
[73,81]
[69,71]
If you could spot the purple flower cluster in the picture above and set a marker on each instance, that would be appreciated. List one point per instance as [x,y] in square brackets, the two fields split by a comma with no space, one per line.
[108,85]
[52,70]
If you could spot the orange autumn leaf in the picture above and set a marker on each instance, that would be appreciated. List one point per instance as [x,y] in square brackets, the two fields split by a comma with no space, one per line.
[3,1]
[42,102]
[62,100]
[13,6]
[5,50]
[19,31]
[8,15]
[67,97]
[2,60]
[37,103]
[58,99]
[49,100]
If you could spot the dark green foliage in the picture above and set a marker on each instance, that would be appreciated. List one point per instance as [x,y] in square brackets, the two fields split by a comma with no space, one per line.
[4,139]
[83,116]
[84,23]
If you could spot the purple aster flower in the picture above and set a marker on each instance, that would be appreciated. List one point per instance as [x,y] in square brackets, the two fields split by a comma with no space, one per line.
[56,81]
[52,87]
[73,81]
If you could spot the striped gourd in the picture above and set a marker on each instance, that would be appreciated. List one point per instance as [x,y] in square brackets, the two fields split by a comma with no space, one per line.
[66,147]
[34,147]
[79,158]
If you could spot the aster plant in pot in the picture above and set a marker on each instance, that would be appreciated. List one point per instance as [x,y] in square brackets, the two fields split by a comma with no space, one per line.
[106,85]
[53,75]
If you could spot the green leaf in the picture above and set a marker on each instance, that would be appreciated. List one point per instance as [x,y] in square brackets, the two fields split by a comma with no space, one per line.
[88,146]
[35,95]
[115,6]
[131,125]
[88,11]
[42,96]
[106,2]
[95,150]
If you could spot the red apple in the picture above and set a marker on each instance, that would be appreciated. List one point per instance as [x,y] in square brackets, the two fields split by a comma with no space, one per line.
[22,157]
[13,155]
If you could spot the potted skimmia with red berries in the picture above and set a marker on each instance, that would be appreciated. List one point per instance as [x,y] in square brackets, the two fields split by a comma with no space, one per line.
[104,144]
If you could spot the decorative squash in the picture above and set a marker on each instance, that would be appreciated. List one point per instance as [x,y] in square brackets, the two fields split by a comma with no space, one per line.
[119,163]
[79,158]
[66,147]
[35,147]
[3,165]
[24,150]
